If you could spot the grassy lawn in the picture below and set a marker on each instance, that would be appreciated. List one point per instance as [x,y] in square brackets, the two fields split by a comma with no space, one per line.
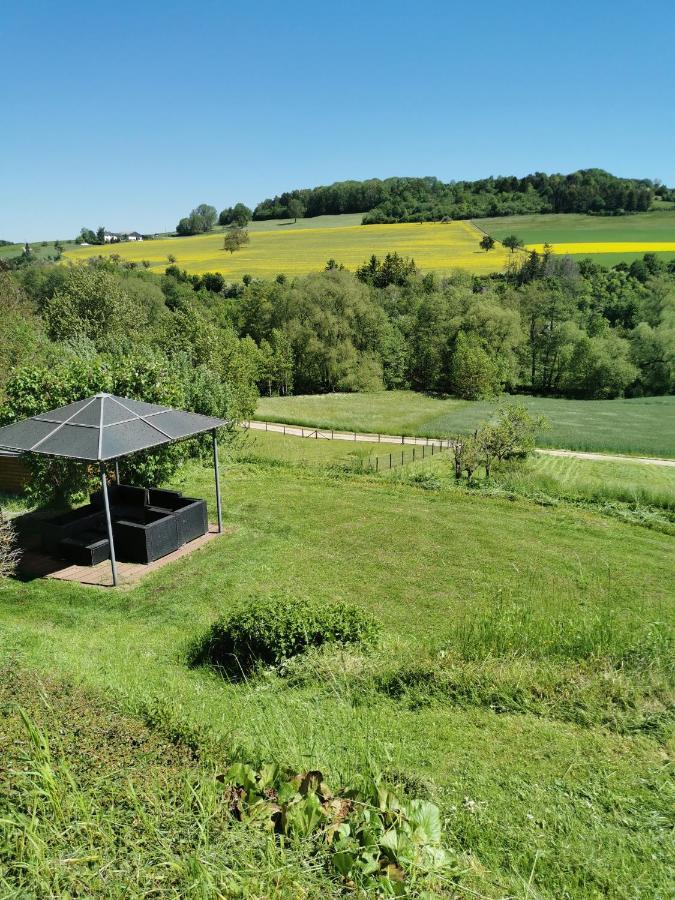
[522,683]
[639,427]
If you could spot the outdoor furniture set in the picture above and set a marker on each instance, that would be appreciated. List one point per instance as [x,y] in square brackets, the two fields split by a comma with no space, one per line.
[147,524]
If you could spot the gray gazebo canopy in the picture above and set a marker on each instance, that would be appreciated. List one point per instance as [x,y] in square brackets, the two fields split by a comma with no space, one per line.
[104,428]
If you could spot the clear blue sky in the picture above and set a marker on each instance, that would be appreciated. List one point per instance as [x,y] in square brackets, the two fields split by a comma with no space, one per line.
[128,114]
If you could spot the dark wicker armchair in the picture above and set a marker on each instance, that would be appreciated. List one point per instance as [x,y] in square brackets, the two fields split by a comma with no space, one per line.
[146,537]
[190,513]
[68,524]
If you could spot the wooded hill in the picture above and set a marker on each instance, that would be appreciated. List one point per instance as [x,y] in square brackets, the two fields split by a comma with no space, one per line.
[428,199]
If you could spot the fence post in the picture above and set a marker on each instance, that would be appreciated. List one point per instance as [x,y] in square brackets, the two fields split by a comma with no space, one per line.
[377,463]
[423,449]
[265,426]
[332,434]
[284,429]
[390,460]
[414,448]
[379,439]
[432,449]
[354,435]
[316,435]
[402,452]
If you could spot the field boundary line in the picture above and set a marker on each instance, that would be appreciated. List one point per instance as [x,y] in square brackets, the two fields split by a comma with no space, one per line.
[312,432]
[606,457]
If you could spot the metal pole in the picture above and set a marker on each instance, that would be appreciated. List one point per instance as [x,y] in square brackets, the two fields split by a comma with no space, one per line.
[117,471]
[111,542]
[217,477]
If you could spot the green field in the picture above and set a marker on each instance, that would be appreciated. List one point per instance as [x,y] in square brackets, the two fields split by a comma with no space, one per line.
[565,228]
[643,426]
[522,684]
[37,248]
[648,228]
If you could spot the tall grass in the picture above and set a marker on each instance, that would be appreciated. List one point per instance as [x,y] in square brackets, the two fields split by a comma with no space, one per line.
[512,628]
[148,833]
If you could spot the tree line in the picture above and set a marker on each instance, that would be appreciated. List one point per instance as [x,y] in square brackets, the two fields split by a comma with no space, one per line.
[547,325]
[391,200]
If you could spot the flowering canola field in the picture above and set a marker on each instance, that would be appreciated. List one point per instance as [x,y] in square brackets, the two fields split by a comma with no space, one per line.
[587,248]
[439,247]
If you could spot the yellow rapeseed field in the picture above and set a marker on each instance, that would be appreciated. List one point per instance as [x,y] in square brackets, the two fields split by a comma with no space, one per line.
[434,247]
[587,248]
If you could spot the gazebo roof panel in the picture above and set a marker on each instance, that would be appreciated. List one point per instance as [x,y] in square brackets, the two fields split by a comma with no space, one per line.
[177,424]
[89,414]
[137,435]
[78,441]
[63,413]
[24,435]
[135,407]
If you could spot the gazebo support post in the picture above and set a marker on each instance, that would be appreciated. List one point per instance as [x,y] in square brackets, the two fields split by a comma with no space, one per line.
[217,477]
[106,504]
[117,471]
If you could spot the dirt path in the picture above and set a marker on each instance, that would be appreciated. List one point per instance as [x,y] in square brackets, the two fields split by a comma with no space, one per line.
[329,434]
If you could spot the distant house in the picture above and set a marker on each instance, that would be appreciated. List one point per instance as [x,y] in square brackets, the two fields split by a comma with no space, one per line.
[114,237]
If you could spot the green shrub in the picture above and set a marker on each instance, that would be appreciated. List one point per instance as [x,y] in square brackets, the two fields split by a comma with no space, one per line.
[277,628]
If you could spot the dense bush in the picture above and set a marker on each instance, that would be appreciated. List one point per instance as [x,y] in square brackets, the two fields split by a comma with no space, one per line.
[277,628]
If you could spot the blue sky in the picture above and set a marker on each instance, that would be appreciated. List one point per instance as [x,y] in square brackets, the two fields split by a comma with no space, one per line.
[129,114]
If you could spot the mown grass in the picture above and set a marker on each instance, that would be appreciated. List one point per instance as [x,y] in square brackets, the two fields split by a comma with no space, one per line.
[273,447]
[644,426]
[557,477]
[523,680]
[276,249]
[628,482]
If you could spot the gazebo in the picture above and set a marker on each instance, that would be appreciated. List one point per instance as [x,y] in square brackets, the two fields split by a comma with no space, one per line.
[105,428]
